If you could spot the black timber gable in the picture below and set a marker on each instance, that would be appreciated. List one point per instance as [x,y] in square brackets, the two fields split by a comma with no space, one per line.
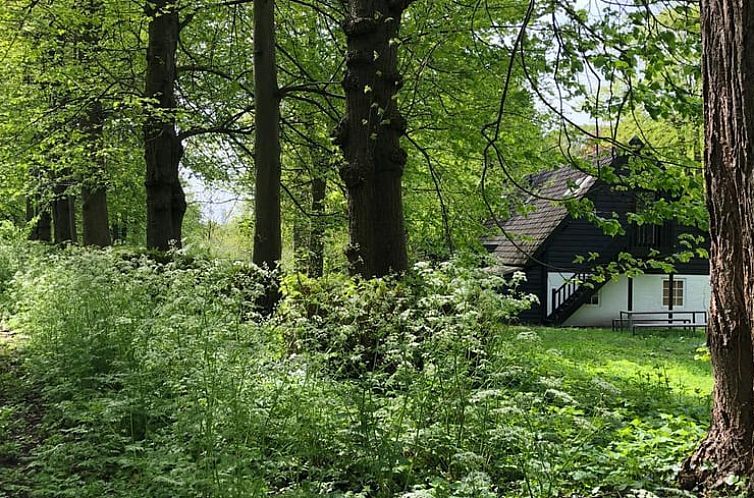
[549,239]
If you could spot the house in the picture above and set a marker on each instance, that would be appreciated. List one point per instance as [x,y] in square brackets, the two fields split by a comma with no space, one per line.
[559,252]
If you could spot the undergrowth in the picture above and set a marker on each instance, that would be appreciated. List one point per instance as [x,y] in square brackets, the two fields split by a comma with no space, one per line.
[159,379]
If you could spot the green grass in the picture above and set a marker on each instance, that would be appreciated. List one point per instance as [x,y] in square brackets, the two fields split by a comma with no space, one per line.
[622,356]
[658,384]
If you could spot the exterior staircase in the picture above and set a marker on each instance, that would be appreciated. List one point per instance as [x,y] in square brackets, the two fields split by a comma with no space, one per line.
[570,296]
[579,289]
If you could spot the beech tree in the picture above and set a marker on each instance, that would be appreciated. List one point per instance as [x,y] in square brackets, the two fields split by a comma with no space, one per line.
[267,237]
[61,69]
[64,210]
[95,221]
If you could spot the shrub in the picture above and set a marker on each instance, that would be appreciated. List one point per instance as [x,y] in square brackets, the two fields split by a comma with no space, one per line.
[367,325]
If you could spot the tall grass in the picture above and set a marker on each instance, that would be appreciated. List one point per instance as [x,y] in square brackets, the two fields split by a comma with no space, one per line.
[160,380]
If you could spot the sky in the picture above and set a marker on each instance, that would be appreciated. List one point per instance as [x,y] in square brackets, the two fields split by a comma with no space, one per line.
[217,204]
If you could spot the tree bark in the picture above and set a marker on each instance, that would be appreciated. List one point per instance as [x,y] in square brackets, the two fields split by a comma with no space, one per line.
[93,185]
[300,242]
[38,211]
[64,215]
[94,217]
[369,137]
[41,218]
[728,42]
[267,237]
[94,190]
[166,202]
[119,230]
[317,231]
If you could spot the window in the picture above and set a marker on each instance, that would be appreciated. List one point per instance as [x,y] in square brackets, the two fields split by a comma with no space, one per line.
[678,293]
[595,299]
[649,234]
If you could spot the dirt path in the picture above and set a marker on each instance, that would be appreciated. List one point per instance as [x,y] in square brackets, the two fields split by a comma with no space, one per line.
[9,339]
[20,418]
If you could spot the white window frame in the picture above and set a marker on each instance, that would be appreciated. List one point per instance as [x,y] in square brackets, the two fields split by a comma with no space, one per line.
[598,295]
[676,282]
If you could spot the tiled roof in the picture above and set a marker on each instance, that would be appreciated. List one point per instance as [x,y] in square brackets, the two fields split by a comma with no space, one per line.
[542,215]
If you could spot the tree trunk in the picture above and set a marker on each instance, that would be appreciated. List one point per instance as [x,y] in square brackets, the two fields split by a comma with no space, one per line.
[300,242]
[94,217]
[728,41]
[93,190]
[166,202]
[41,218]
[93,185]
[119,230]
[267,238]
[64,215]
[370,135]
[317,231]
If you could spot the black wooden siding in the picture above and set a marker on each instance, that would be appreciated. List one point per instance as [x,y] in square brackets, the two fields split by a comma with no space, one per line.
[536,283]
[579,237]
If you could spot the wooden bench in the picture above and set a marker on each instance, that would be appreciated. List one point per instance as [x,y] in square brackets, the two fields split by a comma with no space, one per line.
[669,319]
[623,323]
[666,325]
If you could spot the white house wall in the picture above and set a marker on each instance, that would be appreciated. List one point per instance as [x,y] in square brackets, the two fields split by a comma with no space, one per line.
[648,293]
[647,296]
[554,281]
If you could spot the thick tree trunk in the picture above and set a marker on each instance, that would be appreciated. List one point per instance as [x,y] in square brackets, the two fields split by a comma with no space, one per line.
[166,202]
[93,185]
[94,217]
[317,230]
[64,216]
[728,41]
[93,190]
[267,237]
[370,138]
[41,218]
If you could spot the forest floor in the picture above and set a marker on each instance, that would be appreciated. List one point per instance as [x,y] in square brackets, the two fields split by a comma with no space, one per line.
[21,418]
[665,363]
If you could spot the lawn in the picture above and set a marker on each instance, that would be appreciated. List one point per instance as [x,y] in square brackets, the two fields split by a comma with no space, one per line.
[671,355]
